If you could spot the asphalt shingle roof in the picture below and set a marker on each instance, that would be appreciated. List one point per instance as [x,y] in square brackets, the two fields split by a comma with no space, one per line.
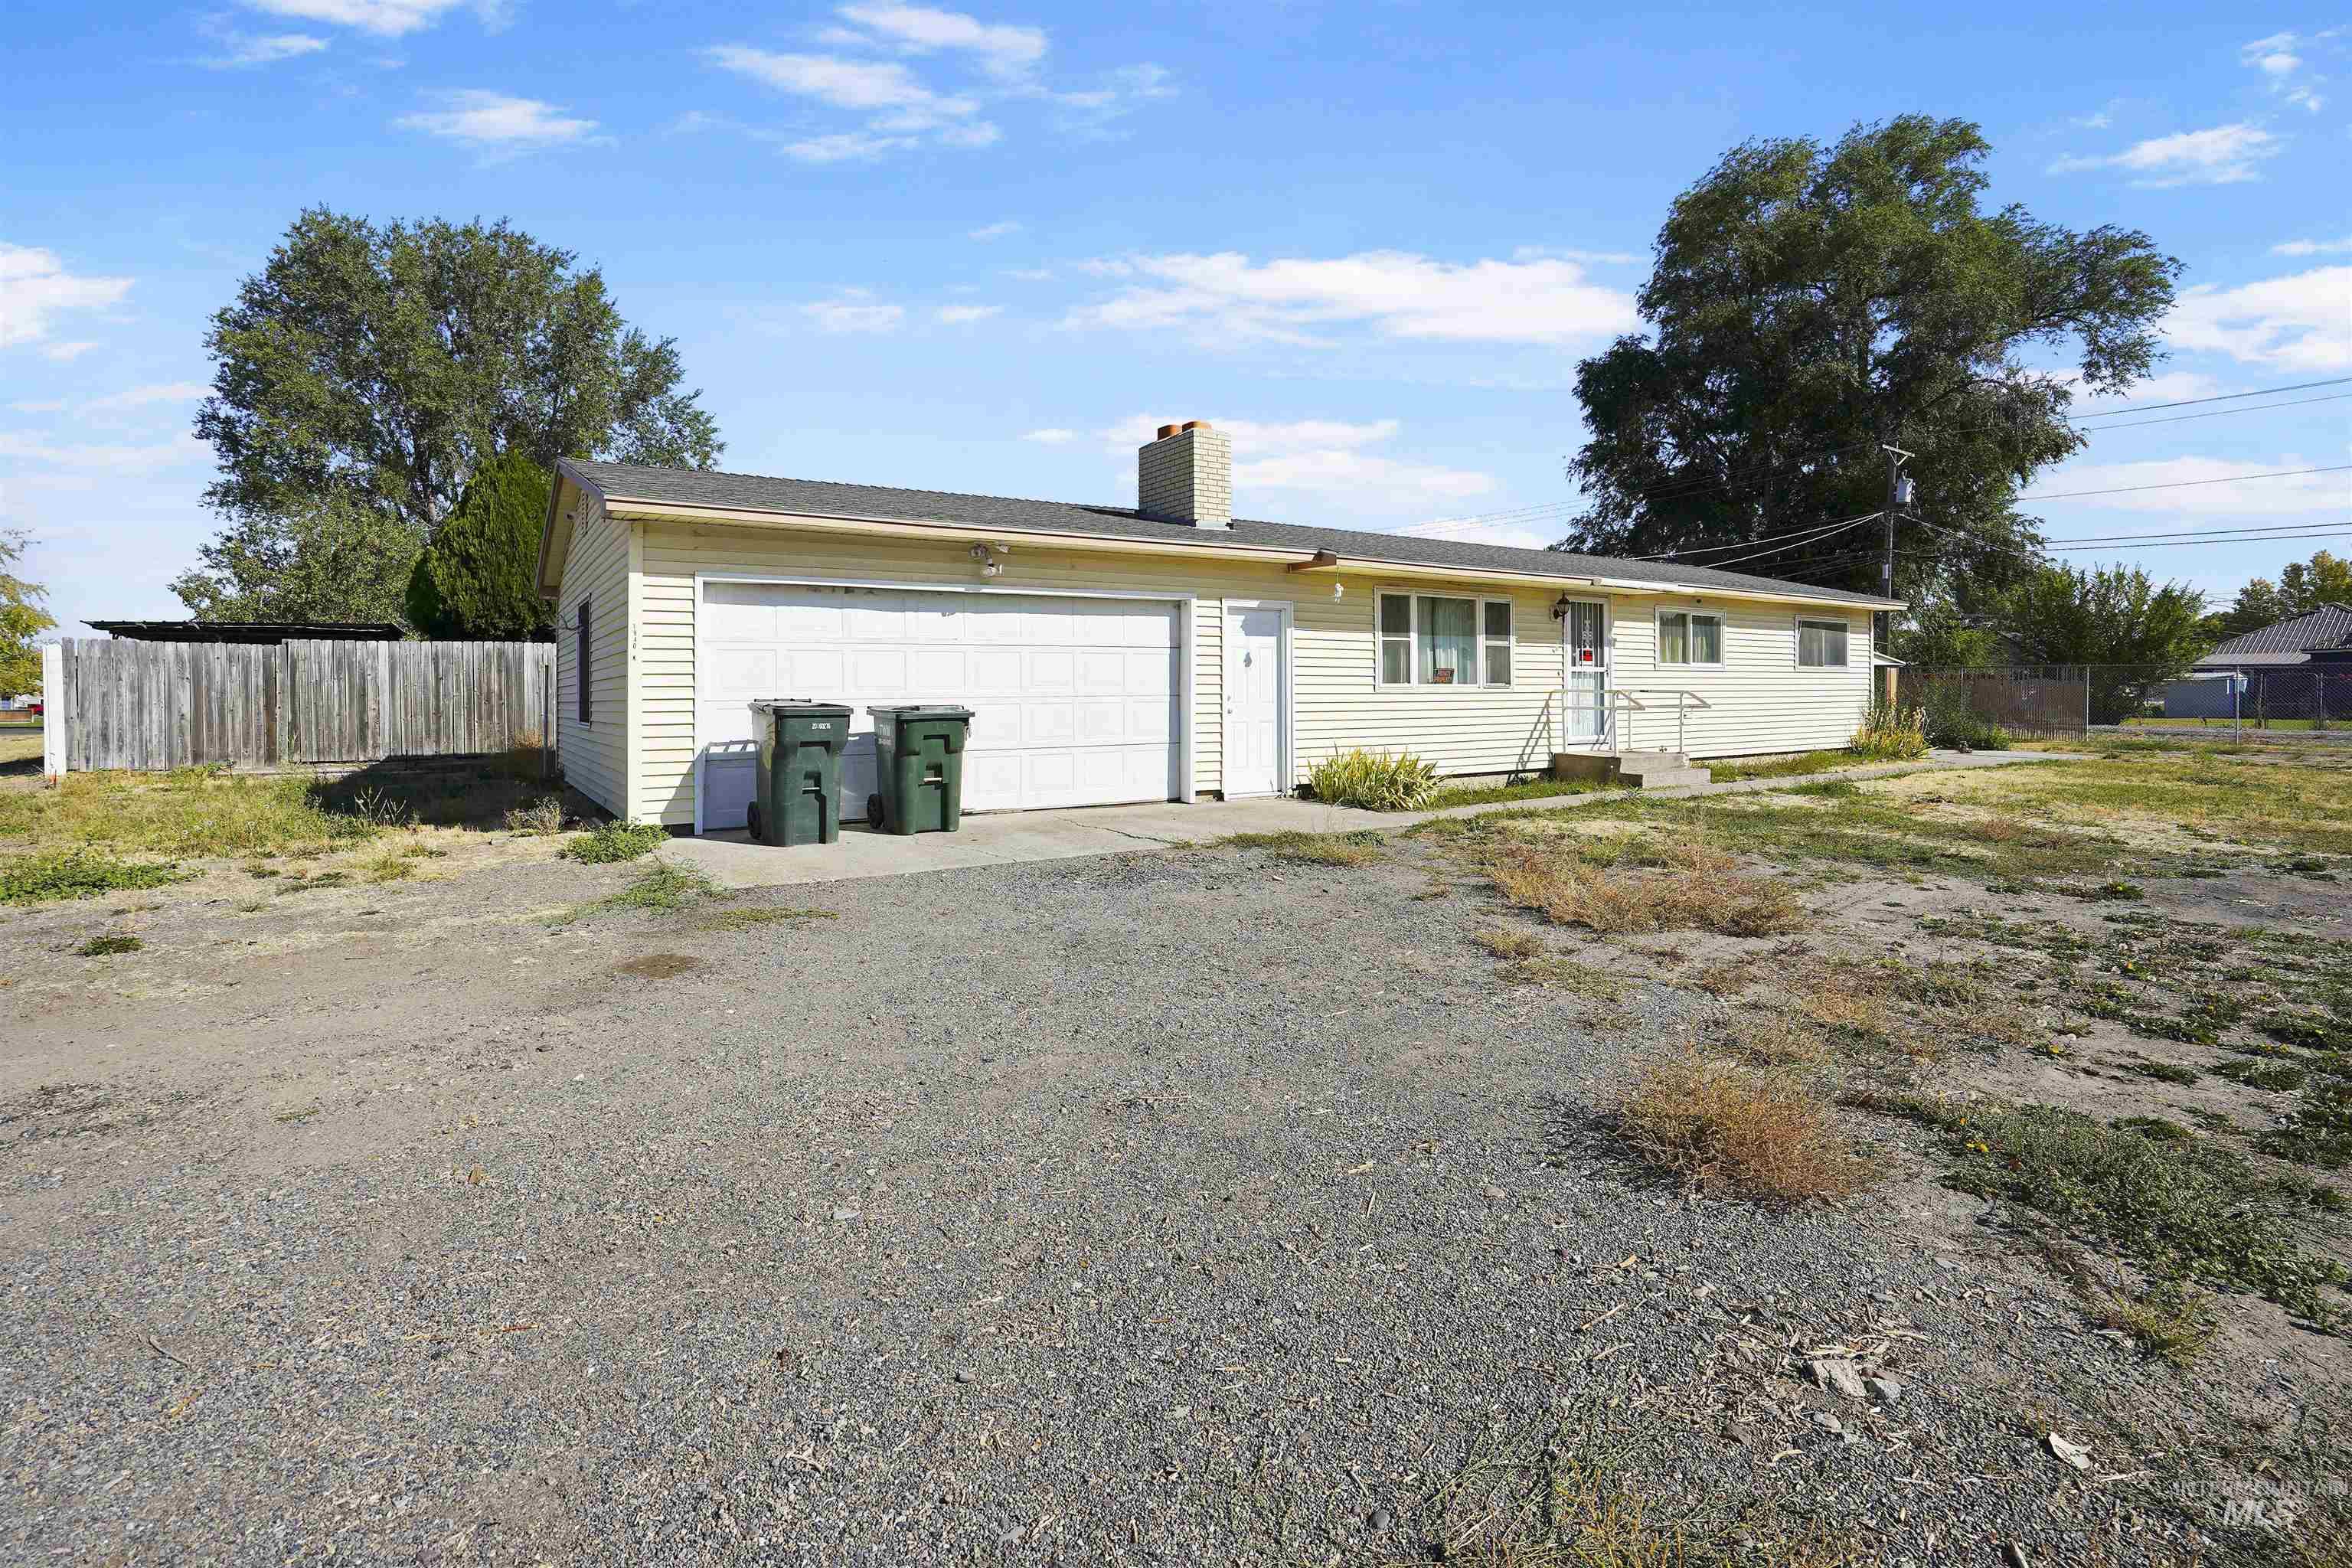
[2288,642]
[757,492]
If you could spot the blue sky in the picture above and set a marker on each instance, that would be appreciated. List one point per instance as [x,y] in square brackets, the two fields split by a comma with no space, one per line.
[986,249]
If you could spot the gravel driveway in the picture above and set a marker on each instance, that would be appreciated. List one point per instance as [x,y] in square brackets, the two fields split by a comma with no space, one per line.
[1157,1209]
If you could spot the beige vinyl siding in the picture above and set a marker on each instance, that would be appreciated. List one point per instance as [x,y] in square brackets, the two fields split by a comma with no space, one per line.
[1339,701]
[595,755]
[1760,700]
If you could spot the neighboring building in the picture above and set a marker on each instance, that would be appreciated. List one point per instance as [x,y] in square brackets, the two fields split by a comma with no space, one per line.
[2286,645]
[267,632]
[1164,651]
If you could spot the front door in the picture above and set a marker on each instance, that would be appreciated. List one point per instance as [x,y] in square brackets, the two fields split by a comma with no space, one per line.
[1253,697]
[1584,654]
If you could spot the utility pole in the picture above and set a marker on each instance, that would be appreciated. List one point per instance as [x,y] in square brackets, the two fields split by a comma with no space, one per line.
[1898,496]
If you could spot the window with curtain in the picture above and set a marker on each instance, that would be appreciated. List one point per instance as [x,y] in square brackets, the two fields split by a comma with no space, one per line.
[1428,639]
[1689,636]
[1820,644]
[1498,641]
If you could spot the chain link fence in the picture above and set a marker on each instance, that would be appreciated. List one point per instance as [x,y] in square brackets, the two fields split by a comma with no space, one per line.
[2054,700]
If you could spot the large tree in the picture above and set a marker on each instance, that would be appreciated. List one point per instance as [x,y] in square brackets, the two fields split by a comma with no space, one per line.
[1811,304]
[22,619]
[336,559]
[2132,633]
[477,576]
[379,366]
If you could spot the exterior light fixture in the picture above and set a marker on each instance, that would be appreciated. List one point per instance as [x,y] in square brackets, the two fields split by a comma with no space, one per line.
[1559,608]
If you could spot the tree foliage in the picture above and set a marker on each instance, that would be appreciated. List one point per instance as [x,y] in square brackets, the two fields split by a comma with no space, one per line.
[335,559]
[22,619]
[478,577]
[2134,632]
[2302,588]
[380,366]
[1812,303]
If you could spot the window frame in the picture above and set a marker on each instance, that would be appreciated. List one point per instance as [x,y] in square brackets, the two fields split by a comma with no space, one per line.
[1411,637]
[583,653]
[1825,623]
[1658,634]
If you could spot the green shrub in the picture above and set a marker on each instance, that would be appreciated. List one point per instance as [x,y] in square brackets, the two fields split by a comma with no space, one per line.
[612,841]
[1374,781]
[1891,734]
[77,874]
[112,943]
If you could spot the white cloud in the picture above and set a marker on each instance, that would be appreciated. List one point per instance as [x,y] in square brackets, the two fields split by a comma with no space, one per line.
[105,459]
[384,19]
[63,353]
[2301,322]
[1031,274]
[1090,111]
[35,287]
[2222,155]
[1599,258]
[2280,59]
[2098,121]
[1001,49]
[843,147]
[958,315]
[828,79]
[495,123]
[1227,298]
[241,49]
[1326,458]
[2313,247]
[155,392]
[994,230]
[2168,386]
[2302,494]
[48,405]
[1052,436]
[854,312]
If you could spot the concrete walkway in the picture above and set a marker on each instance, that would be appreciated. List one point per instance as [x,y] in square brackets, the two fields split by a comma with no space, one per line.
[1012,837]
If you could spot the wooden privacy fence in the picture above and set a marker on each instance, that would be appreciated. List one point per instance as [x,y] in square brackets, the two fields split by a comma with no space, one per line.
[156,705]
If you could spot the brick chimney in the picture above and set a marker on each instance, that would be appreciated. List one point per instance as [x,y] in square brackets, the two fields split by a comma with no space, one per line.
[1186,476]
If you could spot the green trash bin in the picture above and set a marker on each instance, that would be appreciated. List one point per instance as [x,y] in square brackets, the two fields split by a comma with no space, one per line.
[918,768]
[796,798]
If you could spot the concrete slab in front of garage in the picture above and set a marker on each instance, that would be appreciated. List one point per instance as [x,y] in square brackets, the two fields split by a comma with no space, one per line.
[1005,838]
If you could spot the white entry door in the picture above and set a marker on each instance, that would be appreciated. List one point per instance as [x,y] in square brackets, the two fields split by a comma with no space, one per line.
[1584,655]
[1075,702]
[1256,686]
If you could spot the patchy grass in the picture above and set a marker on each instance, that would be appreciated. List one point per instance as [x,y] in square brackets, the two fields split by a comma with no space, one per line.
[1798,766]
[391,866]
[1509,943]
[1599,886]
[1832,1015]
[1728,1129]
[104,946]
[2191,1213]
[1602,987]
[2298,804]
[663,888]
[2319,1130]
[1361,848]
[44,877]
[752,918]
[1503,795]
[611,842]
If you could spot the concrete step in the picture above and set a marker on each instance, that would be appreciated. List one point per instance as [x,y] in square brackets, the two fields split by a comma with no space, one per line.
[1667,778]
[1641,762]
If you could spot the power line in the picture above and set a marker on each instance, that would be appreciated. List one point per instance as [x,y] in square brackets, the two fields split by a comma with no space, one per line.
[1820,535]
[2330,531]
[2184,484]
[2251,531]
[2222,398]
[2217,412]
[1744,543]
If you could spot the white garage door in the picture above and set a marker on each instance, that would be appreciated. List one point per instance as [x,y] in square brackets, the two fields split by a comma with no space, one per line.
[1075,702]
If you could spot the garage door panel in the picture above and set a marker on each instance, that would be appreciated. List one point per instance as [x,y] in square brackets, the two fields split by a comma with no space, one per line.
[1073,699]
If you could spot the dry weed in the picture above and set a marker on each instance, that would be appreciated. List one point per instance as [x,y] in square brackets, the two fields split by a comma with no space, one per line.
[1509,943]
[1728,1129]
[1697,888]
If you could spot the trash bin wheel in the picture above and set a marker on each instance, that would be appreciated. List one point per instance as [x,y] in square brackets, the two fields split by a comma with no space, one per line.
[874,813]
[751,823]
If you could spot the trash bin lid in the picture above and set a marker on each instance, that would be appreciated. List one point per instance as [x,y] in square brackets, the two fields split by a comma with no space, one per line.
[919,710]
[807,707]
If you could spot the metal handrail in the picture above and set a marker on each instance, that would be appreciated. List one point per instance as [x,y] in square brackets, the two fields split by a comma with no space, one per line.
[1683,700]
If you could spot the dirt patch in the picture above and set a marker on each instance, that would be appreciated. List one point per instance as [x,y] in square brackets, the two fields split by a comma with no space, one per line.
[658,965]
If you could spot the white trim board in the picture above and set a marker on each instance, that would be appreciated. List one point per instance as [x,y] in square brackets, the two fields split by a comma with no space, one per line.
[1188,610]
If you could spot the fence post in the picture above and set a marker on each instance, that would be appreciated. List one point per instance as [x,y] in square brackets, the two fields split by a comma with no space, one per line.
[54,715]
[2086,701]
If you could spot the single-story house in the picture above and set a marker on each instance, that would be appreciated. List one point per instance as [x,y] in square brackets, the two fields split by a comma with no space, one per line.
[2286,645]
[1167,650]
